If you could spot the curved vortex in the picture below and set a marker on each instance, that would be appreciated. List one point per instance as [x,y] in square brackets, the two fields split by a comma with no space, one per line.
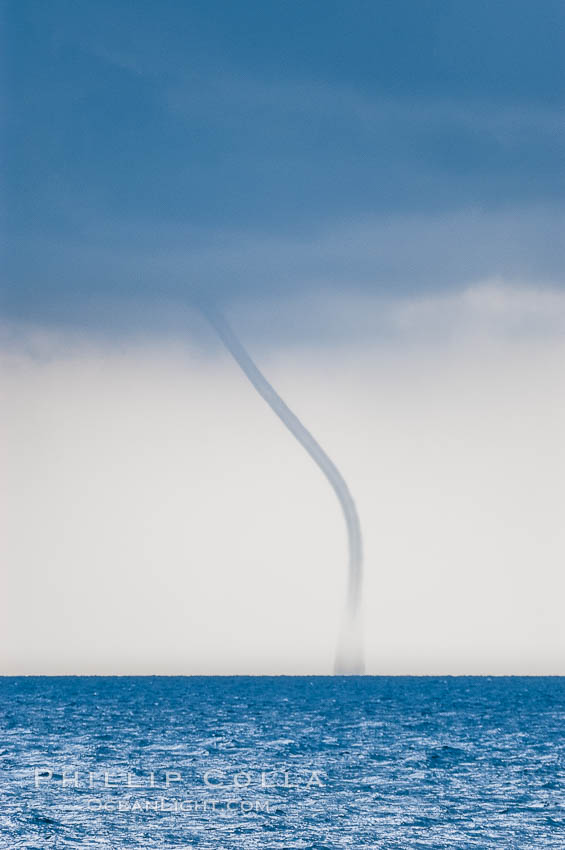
[349,653]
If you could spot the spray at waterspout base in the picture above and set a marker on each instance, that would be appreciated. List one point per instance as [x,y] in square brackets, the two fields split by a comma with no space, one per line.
[349,656]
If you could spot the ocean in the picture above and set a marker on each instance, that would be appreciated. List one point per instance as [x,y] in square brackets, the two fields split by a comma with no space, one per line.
[282,762]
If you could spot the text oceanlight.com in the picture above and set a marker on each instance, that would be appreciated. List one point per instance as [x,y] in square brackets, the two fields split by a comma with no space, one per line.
[214,791]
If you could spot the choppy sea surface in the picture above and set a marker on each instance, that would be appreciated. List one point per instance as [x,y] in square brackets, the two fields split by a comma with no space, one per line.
[283,762]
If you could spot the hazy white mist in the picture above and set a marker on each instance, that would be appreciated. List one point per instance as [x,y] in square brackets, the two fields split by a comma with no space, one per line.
[160,518]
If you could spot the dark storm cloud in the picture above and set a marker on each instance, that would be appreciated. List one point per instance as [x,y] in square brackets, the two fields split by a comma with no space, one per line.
[258,148]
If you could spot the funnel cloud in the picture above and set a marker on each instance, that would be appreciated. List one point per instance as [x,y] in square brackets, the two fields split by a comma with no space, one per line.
[349,655]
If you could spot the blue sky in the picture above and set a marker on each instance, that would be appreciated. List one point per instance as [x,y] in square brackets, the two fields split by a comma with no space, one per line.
[260,149]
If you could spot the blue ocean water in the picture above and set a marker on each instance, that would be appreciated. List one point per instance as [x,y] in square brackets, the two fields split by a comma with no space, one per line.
[284,762]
